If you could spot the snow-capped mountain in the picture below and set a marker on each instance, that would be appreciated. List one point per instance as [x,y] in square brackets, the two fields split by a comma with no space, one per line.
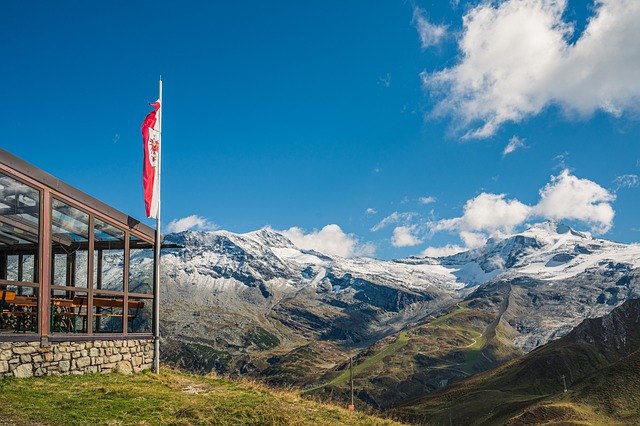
[242,293]
[546,251]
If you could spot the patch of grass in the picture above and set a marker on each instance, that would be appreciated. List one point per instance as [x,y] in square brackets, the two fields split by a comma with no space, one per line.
[369,362]
[420,359]
[262,339]
[171,398]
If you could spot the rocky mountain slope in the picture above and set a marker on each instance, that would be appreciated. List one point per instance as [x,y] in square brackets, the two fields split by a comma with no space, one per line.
[256,303]
[244,294]
[598,363]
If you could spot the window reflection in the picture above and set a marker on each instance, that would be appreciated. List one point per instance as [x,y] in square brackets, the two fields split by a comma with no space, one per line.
[108,266]
[19,221]
[140,266]
[139,315]
[68,311]
[107,313]
[69,243]
[18,309]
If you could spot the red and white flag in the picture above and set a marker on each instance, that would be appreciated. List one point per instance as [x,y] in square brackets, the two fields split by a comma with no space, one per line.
[151,132]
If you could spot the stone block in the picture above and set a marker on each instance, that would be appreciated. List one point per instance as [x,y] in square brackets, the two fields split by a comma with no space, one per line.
[115,358]
[83,362]
[25,359]
[23,371]
[64,366]
[124,367]
[23,350]
[94,352]
[4,366]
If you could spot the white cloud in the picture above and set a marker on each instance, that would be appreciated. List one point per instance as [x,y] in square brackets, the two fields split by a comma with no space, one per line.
[371,211]
[427,200]
[492,213]
[516,61]
[568,197]
[473,240]
[514,143]
[403,236]
[626,181]
[394,217]
[430,35]
[447,250]
[331,240]
[565,197]
[194,222]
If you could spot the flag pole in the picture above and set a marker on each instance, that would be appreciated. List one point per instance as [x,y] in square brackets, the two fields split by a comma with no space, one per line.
[156,284]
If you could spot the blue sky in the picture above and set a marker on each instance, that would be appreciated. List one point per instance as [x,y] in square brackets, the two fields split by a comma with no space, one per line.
[359,128]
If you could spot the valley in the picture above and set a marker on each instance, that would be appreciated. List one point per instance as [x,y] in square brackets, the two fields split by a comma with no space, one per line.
[254,305]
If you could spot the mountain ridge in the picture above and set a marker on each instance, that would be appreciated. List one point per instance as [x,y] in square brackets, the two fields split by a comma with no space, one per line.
[256,304]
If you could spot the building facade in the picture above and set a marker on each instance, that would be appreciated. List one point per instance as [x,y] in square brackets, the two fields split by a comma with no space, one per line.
[76,279]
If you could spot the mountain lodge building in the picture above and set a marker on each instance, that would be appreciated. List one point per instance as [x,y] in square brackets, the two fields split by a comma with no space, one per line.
[76,279]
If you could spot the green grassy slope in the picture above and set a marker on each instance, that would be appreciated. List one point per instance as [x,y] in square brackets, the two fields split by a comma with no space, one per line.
[171,398]
[420,359]
[600,362]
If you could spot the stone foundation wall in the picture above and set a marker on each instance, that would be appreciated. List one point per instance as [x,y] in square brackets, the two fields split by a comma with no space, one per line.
[27,359]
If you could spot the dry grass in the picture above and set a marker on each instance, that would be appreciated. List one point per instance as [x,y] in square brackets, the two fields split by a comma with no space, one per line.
[170,398]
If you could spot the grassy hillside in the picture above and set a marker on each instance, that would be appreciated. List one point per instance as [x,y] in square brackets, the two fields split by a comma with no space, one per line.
[171,398]
[599,362]
[420,359]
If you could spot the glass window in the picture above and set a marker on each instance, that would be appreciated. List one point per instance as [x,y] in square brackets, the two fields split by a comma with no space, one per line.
[139,315]
[140,266]
[107,313]
[69,245]
[68,311]
[19,221]
[108,266]
[18,309]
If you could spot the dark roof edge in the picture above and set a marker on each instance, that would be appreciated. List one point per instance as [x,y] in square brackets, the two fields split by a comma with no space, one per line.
[56,184]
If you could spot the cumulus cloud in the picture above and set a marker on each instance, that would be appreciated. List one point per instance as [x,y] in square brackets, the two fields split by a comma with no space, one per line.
[331,240]
[193,222]
[430,34]
[514,143]
[565,197]
[516,60]
[427,200]
[487,212]
[626,181]
[403,236]
[371,211]
[568,197]
[447,250]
